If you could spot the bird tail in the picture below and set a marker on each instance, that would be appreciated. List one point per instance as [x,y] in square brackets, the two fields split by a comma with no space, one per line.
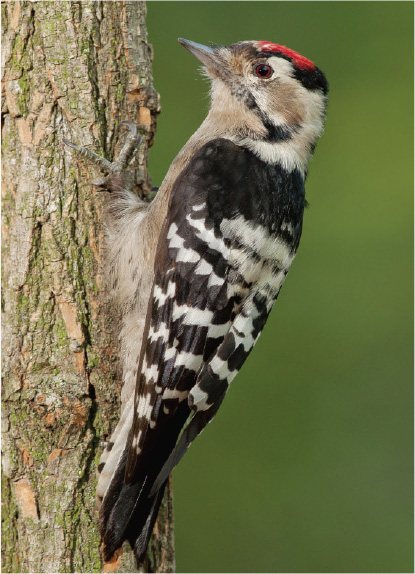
[128,512]
[130,507]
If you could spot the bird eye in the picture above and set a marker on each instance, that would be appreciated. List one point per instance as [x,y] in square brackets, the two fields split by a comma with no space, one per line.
[263,71]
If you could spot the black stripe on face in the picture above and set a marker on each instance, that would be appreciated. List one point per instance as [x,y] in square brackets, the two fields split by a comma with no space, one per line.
[241,93]
[275,133]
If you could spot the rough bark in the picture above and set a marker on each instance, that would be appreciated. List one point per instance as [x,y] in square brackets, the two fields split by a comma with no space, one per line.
[74,70]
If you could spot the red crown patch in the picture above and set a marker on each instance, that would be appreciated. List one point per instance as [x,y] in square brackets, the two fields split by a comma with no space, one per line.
[298,60]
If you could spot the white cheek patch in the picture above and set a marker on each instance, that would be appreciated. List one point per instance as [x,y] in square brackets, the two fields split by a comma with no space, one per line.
[280,66]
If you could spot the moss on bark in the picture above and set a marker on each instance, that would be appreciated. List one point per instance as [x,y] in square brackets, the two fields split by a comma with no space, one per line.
[74,70]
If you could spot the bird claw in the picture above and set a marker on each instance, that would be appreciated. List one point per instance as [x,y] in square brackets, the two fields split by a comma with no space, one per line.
[130,147]
[132,143]
[97,159]
[131,125]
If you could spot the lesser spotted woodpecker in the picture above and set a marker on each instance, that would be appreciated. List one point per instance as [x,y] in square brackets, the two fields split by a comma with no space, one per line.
[197,271]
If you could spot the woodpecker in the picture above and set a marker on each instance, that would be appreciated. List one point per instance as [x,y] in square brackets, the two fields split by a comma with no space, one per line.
[197,271]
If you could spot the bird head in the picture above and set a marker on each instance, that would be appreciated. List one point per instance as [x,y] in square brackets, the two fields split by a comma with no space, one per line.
[265,96]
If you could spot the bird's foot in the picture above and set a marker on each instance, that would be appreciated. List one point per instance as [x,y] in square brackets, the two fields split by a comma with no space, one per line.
[117,167]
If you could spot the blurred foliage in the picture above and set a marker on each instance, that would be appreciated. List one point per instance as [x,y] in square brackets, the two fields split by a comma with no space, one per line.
[308,466]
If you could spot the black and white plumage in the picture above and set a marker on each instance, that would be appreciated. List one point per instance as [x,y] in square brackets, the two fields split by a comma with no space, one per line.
[220,236]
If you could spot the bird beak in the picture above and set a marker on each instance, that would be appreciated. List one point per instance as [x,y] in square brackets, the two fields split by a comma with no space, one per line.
[208,56]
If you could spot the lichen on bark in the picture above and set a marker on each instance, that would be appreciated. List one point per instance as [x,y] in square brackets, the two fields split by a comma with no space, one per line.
[74,70]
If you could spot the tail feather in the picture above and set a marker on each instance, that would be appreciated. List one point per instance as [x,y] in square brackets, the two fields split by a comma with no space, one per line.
[140,542]
[128,512]
[116,527]
[132,518]
[129,508]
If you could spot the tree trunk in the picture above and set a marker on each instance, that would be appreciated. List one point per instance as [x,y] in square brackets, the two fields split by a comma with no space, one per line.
[74,70]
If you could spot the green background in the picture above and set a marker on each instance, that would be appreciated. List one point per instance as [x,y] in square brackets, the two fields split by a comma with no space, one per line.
[308,465]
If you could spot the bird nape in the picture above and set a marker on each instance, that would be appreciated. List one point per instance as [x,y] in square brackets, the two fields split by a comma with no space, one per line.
[196,272]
